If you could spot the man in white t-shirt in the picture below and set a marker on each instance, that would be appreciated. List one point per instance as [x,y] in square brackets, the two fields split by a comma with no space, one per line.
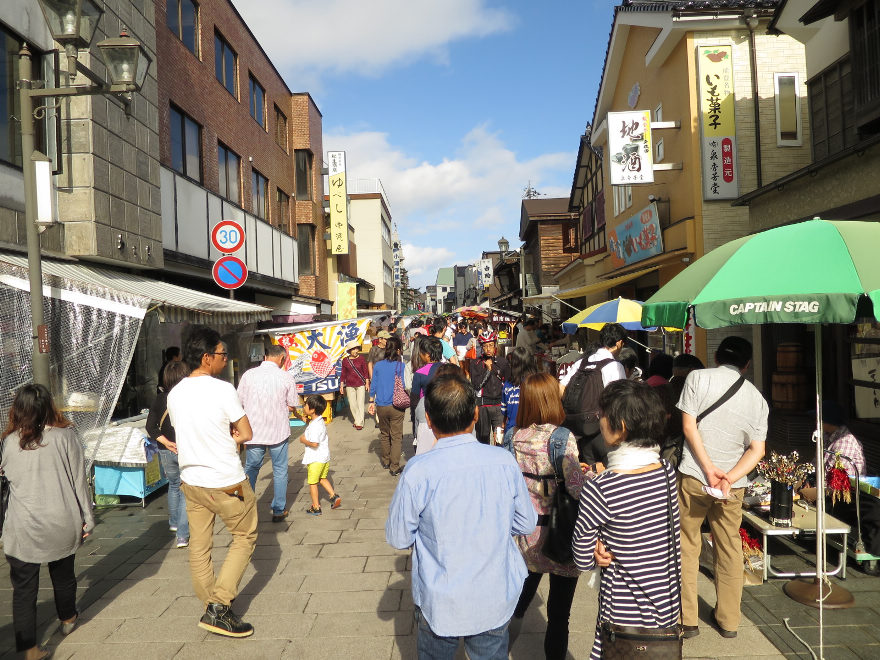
[210,424]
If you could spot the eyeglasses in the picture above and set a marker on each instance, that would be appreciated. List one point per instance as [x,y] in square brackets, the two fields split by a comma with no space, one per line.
[225,356]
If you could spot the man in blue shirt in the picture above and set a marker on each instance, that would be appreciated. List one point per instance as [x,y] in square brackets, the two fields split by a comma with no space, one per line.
[458,506]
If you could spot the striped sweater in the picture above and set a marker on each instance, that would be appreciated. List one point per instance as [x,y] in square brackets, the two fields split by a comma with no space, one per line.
[630,514]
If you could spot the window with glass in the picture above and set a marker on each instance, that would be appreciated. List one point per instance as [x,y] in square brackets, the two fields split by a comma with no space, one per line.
[386,275]
[258,101]
[282,200]
[183,21]
[303,173]
[280,128]
[788,110]
[305,245]
[386,233]
[260,195]
[225,64]
[229,173]
[10,135]
[186,145]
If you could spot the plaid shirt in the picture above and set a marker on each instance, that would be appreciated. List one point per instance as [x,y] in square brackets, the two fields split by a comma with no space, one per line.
[845,443]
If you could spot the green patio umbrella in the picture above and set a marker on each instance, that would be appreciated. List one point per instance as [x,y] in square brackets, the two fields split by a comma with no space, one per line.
[812,272]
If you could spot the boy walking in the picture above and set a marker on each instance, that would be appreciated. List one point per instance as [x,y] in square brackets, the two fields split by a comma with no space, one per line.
[317,453]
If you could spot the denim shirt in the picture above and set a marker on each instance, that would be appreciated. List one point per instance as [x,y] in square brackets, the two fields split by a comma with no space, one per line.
[458,506]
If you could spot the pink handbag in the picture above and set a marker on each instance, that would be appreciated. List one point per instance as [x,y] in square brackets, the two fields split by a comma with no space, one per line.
[400,399]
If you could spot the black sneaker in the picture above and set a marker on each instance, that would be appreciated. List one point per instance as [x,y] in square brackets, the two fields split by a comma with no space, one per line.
[221,620]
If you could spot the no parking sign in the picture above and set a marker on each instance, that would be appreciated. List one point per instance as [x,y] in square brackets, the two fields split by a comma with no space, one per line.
[229,272]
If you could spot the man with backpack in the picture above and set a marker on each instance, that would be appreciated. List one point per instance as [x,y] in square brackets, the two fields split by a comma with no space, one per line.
[582,385]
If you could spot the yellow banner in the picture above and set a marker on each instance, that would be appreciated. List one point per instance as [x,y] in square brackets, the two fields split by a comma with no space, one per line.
[346,300]
[716,90]
[152,473]
[338,204]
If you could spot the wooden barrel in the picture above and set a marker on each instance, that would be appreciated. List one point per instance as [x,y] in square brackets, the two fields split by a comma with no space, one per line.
[789,357]
[790,391]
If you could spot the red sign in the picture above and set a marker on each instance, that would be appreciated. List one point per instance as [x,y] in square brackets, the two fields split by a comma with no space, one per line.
[727,159]
[227,236]
[229,272]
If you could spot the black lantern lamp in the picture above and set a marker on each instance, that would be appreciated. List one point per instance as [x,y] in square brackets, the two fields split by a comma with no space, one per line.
[127,62]
[503,246]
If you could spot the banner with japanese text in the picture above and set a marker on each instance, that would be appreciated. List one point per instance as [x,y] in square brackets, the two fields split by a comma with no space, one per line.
[718,122]
[316,354]
[346,300]
[487,274]
[338,203]
[629,145]
[636,238]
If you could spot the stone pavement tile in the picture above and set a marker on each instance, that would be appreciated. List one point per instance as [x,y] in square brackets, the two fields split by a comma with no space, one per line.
[146,650]
[363,536]
[314,584]
[286,552]
[356,601]
[869,652]
[385,563]
[279,584]
[372,511]
[179,570]
[371,550]
[183,607]
[530,645]
[320,537]
[328,520]
[353,648]
[128,608]
[712,645]
[404,648]
[330,565]
[836,635]
[236,649]
[172,629]
[848,617]
[362,624]
[92,630]
[371,523]
[782,639]
[289,533]
[271,603]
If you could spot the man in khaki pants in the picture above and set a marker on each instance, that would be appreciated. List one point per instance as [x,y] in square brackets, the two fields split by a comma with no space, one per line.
[724,443]
[202,410]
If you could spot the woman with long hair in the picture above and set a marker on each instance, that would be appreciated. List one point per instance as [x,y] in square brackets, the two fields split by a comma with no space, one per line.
[522,363]
[159,429]
[48,517]
[382,404]
[538,425]
[628,519]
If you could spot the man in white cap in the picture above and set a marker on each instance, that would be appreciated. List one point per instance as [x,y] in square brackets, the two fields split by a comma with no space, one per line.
[354,381]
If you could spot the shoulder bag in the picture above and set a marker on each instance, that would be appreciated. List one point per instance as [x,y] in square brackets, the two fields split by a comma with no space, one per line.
[399,399]
[4,491]
[673,448]
[628,642]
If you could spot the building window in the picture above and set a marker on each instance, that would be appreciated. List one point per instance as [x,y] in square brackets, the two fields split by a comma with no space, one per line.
[386,233]
[305,245]
[303,159]
[864,38]
[569,238]
[225,64]
[183,21]
[622,198]
[260,195]
[659,151]
[283,201]
[832,119]
[386,275]
[229,172]
[186,145]
[658,112]
[10,108]
[788,110]
[258,101]
[280,128]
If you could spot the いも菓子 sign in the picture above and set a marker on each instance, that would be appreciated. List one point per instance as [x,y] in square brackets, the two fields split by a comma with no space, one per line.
[718,122]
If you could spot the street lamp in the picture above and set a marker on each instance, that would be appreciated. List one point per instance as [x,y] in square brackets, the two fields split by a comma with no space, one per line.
[503,246]
[72,24]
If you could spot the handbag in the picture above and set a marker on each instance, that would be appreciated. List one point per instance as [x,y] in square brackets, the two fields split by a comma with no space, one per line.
[674,447]
[563,509]
[4,492]
[627,642]
[399,399]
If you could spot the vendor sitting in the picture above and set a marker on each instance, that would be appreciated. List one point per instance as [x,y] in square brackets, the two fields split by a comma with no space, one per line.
[839,440]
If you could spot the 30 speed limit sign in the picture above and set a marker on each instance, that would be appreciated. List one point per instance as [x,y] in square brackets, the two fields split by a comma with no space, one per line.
[227,236]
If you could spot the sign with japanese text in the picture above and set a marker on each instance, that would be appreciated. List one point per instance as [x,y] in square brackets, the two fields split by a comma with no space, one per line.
[487,275]
[629,144]
[316,354]
[346,300]
[718,122]
[636,238]
[338,203]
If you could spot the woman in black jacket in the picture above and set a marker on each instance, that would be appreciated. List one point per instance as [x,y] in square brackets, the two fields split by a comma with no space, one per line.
[160,431]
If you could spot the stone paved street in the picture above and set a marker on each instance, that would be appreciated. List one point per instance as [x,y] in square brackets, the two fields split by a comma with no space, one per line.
[327,587]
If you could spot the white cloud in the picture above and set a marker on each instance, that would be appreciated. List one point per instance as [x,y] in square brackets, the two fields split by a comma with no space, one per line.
[304,36]
[458,206]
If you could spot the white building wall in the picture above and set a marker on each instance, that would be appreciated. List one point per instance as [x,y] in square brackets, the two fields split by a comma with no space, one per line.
[373,251]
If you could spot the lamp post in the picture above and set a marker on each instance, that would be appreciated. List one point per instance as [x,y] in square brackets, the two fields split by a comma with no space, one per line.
[72,24]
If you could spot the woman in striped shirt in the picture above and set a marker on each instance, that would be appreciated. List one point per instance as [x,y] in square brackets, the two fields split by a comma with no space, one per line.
[628,520]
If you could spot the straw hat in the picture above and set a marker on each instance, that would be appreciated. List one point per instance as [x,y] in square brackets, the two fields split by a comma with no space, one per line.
[384,334]
[354,343]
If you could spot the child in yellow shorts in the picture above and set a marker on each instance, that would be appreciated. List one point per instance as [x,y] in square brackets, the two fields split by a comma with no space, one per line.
[317,453]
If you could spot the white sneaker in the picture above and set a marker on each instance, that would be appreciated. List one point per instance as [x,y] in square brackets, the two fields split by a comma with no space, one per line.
[172,529]
[182,543]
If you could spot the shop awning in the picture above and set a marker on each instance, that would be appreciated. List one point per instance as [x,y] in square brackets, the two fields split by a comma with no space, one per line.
[595,287]
[176,303]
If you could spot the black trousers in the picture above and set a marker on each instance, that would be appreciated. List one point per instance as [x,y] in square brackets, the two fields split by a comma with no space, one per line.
[25,578]
[558,610]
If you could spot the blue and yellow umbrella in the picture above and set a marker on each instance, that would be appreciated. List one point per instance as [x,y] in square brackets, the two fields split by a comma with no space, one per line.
[627,313]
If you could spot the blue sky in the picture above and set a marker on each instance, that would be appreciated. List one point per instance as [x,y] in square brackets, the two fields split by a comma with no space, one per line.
[454,104]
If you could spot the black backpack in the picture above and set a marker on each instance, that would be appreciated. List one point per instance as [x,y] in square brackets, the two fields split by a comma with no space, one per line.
[581,405]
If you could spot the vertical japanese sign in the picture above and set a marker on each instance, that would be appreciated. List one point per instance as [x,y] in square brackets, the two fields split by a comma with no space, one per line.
[346,300]
[715,71]
[338,203]
[487,275]
[629,143]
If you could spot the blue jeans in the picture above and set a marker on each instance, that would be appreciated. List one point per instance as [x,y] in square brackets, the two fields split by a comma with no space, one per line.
[176,500]
[489,645]
[254,455]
